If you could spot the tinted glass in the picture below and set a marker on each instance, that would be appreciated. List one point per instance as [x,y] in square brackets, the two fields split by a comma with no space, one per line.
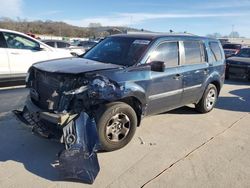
[2,41]
[245,52]
[118,50]
[167,52]
[232,46]
[194,52]
[62,45]
[19,42]
[216,51]
[52,44]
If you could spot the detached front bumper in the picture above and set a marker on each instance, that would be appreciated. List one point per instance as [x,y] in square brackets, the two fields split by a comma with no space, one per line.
[45,124]
[38,114]
[77,131]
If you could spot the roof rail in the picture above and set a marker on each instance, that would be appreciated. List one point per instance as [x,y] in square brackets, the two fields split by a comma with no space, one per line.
[160,33]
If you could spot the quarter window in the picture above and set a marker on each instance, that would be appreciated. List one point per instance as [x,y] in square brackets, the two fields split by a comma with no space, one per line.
[216,51]
[194,52]
[166,52]
[19,42]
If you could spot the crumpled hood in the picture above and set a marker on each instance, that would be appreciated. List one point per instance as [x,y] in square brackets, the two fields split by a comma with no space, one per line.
[238,60]
[73,65]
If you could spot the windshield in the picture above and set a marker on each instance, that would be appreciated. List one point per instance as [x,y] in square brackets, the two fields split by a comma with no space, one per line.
[245,52]
[118,50]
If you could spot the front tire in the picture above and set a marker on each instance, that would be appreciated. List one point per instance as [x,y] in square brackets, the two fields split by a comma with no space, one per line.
[116,125]
[208,100]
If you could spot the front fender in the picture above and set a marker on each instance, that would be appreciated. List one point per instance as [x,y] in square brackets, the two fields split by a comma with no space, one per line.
[134,90]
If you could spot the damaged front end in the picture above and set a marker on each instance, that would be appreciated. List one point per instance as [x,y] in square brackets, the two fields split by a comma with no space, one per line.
[62,107]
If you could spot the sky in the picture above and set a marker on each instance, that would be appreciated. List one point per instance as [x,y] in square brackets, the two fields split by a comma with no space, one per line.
[193,16]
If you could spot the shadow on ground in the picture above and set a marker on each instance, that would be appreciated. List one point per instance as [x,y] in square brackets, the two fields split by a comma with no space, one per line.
[20,145]
[239,82]
[239,102]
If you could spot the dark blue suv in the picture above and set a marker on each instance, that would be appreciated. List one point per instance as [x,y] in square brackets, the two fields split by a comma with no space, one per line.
[122,79]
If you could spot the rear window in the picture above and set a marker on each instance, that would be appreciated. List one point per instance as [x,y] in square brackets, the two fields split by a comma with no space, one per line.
[216,51]
[232,46]
[194,52]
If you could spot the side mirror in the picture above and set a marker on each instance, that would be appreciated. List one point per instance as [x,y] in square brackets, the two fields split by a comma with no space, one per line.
[157,66]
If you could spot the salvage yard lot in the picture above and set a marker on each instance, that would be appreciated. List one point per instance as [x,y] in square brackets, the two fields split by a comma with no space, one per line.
[180,148]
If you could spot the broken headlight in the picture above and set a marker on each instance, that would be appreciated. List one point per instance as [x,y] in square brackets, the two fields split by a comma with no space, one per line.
[76,91]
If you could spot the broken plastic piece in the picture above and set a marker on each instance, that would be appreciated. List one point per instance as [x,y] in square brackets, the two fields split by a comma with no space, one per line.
[79,160]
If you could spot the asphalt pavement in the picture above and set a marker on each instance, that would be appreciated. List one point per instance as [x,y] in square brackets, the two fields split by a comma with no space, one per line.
[180,148]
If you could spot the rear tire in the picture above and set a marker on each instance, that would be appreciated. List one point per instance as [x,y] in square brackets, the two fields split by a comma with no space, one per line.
[116,125]
[208,100]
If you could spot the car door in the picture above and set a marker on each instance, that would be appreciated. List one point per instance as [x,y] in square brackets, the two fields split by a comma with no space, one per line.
[22,52]
[194,68]
[166,87]
[4,63]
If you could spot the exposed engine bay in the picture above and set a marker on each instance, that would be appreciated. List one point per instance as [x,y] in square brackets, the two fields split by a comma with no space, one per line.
[62,107]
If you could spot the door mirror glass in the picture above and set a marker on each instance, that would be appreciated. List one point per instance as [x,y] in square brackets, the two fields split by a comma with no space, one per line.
[157,66]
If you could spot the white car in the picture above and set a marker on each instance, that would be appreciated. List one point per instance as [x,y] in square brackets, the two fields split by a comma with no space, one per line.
[19,51]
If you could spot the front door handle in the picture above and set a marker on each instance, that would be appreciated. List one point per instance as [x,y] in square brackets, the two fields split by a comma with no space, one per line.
[177,76]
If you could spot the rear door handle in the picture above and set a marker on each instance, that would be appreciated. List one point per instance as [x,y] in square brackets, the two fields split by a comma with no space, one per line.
[177,76]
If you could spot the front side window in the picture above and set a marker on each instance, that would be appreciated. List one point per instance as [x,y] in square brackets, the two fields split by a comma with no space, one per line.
[194,52]
[19,42]
[166,52]
[119,50]
[216,51]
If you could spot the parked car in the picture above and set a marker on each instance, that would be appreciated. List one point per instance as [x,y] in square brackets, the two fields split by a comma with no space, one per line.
[121,80]
[19,51]
[74,50]
[231,49]
[86,45]
[238,66]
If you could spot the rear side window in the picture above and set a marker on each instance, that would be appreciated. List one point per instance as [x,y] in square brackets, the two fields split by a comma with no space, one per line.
[194,52]
[167,52]
[52,44]
[62,45]
[216,51]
